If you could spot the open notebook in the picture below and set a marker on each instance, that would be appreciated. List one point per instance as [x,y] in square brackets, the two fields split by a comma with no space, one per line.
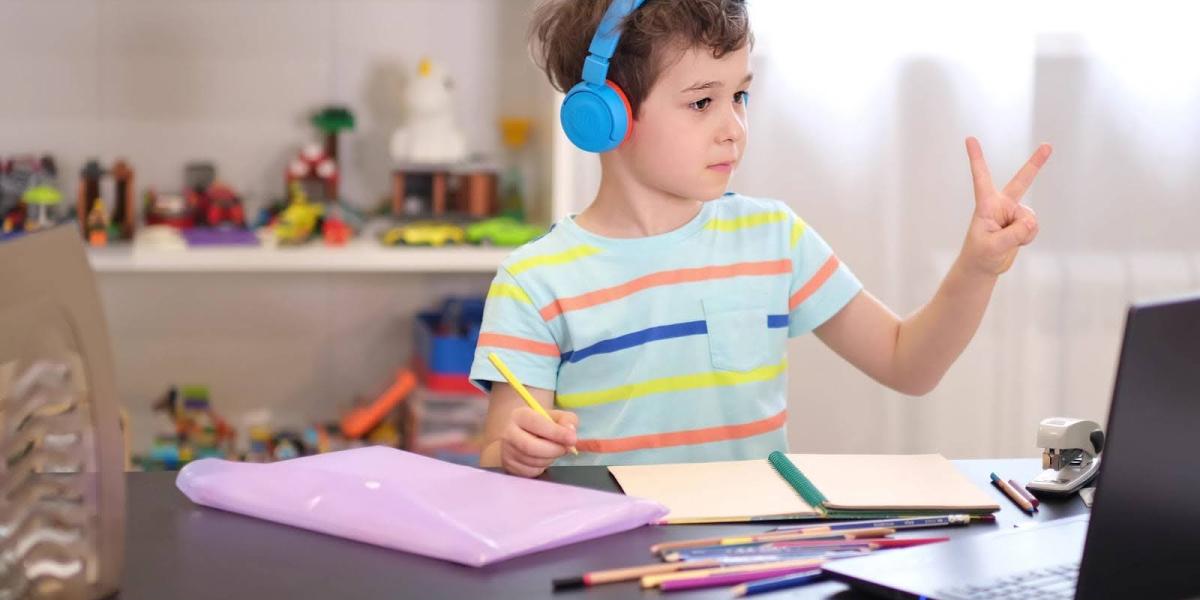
[806,486]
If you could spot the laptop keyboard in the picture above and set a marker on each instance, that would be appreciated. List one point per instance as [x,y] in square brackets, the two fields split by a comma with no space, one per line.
[1052,582]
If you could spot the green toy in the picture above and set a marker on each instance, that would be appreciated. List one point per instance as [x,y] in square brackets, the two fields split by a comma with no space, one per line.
[503,231]
[41,197]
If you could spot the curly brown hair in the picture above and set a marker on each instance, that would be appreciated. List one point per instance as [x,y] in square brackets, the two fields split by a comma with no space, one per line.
[562,30]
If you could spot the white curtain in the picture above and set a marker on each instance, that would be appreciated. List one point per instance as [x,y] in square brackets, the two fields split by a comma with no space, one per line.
[858,115]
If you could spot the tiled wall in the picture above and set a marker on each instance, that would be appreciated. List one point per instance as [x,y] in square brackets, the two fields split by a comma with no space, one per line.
[162,82]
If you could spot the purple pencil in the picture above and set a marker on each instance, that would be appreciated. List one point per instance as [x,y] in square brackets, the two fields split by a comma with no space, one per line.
[709,581]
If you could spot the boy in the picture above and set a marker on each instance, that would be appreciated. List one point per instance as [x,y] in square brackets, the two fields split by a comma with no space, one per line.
[656,320]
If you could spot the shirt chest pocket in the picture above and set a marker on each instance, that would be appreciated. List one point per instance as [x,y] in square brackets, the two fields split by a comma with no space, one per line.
[737,332]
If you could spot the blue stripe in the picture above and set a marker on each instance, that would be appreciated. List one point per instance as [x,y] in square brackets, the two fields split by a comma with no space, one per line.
[661,332]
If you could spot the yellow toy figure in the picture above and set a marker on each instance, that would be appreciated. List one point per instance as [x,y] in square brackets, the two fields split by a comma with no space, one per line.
[298,221]
[97,224]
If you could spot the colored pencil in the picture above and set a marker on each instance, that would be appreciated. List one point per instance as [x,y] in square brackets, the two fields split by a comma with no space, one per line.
[1012,494]
[763,586]
[1024,492]
[630,573]
[688,554]
[522,392]
[849,534]
[653,581]
[695,583]
[905,523]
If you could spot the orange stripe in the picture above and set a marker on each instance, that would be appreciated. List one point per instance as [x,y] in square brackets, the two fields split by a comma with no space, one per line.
[824,273]
[681,438]
[560,306]
[499,340]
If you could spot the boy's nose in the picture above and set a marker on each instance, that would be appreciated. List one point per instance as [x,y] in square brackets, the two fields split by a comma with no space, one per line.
[733,127]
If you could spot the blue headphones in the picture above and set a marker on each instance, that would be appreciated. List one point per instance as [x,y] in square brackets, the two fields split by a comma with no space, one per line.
[595,113]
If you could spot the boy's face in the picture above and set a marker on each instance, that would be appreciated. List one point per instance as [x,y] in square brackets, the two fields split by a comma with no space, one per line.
[691,128]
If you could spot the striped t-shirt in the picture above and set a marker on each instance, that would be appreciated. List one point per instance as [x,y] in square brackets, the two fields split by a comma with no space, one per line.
[672,347]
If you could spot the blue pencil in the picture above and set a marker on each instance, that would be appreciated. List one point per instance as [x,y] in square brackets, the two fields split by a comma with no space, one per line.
[912,523]
[726,552]
[777,583]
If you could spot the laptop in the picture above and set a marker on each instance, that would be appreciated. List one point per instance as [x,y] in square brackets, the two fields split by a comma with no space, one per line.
[62,494]
[1142,538]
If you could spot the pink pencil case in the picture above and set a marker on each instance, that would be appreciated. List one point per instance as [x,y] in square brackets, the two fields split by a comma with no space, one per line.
[413,503]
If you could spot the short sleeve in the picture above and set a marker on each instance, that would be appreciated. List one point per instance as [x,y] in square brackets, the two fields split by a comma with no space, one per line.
[821,283]
[513,328]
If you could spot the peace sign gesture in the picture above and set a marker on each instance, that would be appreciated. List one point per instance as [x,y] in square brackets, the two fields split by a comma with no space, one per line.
[1001,224]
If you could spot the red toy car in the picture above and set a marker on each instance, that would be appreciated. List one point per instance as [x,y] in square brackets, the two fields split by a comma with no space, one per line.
[220,206]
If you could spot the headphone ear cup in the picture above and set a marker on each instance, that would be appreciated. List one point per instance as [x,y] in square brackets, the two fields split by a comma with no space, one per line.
[595,118]
[628,109]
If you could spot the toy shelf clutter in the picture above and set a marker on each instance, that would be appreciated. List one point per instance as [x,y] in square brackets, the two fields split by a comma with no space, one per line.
[296,328]
[428,407]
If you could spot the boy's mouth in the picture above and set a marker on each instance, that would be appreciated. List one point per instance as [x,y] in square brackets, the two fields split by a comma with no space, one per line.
[723,167]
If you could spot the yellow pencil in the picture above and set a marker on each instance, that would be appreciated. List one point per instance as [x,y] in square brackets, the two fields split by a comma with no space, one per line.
[524,393]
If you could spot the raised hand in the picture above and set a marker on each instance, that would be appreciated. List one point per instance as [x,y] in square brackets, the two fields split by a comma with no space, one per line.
[1001,224]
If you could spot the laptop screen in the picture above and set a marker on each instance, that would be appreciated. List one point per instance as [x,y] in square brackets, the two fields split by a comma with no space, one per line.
[1145,529]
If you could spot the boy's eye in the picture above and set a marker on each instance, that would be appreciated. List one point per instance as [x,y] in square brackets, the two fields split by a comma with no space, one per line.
[742,97]
[700,104]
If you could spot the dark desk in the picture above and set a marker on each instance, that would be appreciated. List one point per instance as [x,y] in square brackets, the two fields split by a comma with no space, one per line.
[178,550]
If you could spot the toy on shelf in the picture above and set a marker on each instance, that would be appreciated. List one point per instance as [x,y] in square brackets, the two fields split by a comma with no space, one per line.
[29,194]
[514,134]
[299,220]
[429,152]
[326,437]
[42,198]
[448,425]
[361,420]
[288,444]
[172,210]
[315,172]
[208,212]
[430,135]
[159,237]
[216,204]
[433,190]
[335,231]
[197,430]
[331,121]
[118,225]
[97,224]
[503,231]
[445,341]
[424,234]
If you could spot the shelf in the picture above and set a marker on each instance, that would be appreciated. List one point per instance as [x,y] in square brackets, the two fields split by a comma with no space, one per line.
[363,256]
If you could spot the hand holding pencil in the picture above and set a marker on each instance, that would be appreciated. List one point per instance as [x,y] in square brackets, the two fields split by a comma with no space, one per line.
[534,437]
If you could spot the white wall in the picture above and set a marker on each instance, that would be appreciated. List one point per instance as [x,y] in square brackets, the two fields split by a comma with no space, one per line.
[858,123]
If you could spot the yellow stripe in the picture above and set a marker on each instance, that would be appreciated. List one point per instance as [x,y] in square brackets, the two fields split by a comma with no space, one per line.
[746,221]
[508,290]
[675,383]
[798,227]
[566,256]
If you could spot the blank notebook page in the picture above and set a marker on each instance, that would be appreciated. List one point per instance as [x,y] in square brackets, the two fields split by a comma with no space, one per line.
[885,481]
[717,490]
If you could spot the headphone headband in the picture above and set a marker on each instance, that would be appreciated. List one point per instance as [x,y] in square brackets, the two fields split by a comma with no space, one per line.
[595,113]
[604,43]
